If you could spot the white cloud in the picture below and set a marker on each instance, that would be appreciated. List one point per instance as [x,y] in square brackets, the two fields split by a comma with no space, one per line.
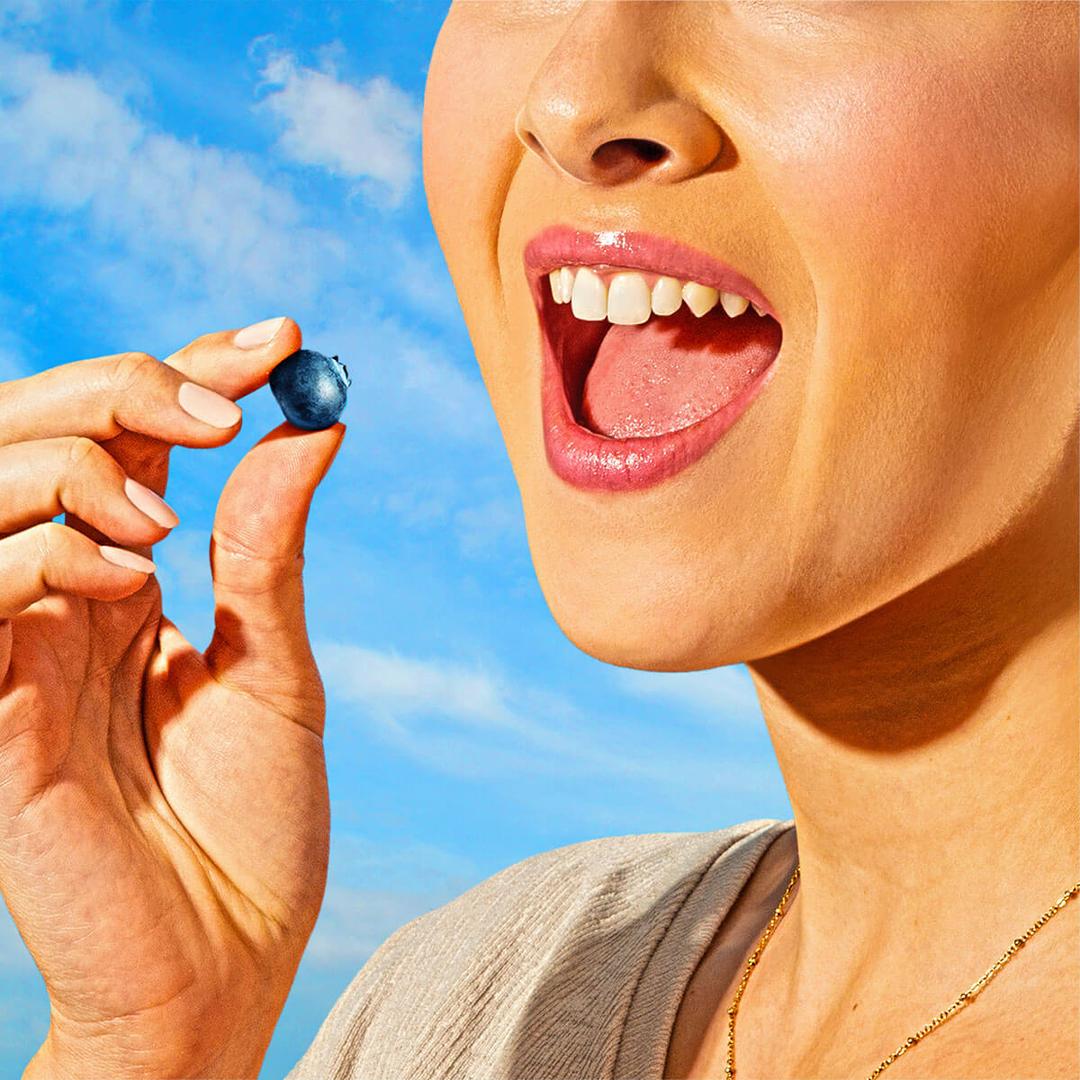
[14,354]
[466,720]
[405,379]
[20,13]
[461,399]
[391,686]
[11,365]
[353,923]
[368,133]
[198,220]
[473,722]
[415,508]
[186,557]
[421,277]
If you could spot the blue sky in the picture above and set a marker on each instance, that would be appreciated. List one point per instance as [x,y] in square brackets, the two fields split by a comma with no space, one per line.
[168,169]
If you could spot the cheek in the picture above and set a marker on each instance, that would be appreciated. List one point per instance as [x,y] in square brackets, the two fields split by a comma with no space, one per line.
[470,158]
[469,153]
[943,167]
[932,204]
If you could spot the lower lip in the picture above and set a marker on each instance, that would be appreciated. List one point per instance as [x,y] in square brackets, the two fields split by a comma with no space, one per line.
[595,462]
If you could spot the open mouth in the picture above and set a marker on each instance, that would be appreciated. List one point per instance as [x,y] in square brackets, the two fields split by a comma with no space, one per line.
[651,352]
[659,373]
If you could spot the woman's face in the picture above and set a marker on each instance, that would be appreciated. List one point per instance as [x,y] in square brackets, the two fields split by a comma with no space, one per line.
[899,182]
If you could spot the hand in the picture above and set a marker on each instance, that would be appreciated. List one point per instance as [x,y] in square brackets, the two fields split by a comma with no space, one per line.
[164,819]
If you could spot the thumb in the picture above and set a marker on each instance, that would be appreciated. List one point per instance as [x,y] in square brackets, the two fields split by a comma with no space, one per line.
[260,643]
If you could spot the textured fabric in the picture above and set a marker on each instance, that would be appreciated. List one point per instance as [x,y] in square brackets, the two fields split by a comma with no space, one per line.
[569,965]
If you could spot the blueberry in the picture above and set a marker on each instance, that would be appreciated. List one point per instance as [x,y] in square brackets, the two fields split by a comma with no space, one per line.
[310,388]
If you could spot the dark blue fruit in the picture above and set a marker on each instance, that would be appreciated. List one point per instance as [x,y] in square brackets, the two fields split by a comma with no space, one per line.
[310,388]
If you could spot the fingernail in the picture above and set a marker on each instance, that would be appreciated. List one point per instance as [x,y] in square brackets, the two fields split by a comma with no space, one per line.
[207,406]
[151,504]
[127,559]
[260,333]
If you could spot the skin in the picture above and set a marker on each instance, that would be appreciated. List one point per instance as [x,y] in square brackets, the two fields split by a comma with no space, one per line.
[888,537]
[164,820]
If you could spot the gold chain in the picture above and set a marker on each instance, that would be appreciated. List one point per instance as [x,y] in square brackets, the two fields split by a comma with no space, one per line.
[907,1044]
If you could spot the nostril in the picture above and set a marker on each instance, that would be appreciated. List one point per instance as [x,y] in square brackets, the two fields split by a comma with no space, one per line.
[618,153]
[532,142]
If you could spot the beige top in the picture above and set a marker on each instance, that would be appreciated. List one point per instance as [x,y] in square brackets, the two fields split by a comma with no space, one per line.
[569,965]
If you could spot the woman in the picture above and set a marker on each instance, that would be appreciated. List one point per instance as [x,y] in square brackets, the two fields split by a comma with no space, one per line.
[867,492]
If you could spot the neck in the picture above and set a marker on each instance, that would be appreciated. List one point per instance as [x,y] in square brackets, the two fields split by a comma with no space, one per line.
[930,752]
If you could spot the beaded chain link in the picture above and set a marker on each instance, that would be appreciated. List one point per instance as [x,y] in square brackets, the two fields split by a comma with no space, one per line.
[908,1043]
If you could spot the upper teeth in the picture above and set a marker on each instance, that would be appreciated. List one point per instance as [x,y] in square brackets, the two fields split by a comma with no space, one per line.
[627,299]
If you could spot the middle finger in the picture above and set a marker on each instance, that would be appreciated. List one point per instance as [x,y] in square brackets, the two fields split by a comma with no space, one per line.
[73,474]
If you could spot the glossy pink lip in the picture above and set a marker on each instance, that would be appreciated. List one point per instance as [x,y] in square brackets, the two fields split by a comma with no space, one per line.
[585,458]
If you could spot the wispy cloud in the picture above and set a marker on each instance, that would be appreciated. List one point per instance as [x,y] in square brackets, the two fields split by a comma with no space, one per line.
[391,687]
[22,12]
[424,504]
[354,922]
[368,133]
[196,219]
[174,235]
[466,719]
[186,560]
[420,277]
[472,721]
[13,360]
[11,365]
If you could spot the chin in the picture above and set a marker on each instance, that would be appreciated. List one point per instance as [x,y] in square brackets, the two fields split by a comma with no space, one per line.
[649,624]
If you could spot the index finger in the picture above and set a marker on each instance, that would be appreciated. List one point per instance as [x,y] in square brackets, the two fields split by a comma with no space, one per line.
[231,363]
[103,396]
[238,362]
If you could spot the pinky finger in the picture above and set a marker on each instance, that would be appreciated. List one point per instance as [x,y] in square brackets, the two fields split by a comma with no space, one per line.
[53,558]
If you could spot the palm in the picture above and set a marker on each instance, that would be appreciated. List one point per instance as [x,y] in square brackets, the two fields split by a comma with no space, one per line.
[170,819]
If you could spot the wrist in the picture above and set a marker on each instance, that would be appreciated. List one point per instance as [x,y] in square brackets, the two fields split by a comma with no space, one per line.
[136,1056]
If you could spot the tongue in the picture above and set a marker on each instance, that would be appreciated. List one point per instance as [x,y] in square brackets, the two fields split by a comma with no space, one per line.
[674,370]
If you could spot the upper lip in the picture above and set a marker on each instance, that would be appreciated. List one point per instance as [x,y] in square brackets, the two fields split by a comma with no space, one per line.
[562,245]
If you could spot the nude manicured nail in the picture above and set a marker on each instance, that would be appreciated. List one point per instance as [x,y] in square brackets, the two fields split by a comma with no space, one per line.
[151,504]
[127,559]
[260,333]
[207,406]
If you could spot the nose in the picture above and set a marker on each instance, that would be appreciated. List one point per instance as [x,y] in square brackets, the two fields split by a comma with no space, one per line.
[603,109]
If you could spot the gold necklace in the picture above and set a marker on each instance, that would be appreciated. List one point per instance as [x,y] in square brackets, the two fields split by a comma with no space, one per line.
[907,1044]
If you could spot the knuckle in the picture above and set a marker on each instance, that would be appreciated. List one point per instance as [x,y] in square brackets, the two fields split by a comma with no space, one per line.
[127,368]
[79,449]
[249,571]
[49,538]
[83,460]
